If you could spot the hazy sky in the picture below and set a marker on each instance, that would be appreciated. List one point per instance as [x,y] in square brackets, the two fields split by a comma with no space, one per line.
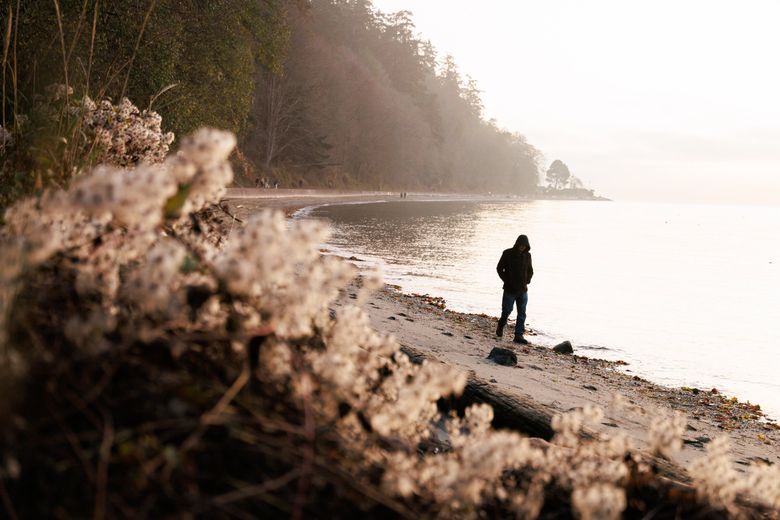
[644,100]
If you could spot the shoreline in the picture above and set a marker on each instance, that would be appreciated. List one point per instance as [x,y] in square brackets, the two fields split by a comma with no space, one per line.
[563,382]
[290,200]
[555,381]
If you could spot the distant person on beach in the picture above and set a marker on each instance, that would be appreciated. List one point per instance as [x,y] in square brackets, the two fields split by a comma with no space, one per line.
[515,269]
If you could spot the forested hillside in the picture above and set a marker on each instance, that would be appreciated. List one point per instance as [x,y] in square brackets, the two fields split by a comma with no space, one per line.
[321,92]
[361,93]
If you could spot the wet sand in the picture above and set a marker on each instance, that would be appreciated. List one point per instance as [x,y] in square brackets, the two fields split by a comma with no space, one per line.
[556,382]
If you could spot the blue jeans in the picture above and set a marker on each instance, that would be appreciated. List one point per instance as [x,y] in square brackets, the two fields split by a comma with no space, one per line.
[507,302]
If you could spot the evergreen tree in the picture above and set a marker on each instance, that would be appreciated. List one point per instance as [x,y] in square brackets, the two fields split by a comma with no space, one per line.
[558,174]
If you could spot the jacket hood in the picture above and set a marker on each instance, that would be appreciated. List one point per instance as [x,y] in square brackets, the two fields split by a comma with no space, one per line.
[522,240]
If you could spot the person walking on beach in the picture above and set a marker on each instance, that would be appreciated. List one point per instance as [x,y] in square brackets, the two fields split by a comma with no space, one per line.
[515,269]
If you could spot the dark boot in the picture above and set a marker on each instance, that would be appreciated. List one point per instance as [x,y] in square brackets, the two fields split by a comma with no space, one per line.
[500,328]
[521,340]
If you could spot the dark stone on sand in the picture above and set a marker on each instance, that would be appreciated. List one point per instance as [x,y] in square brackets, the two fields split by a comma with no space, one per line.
[590,387]
[448,333]
[503,356]
[391,317]
[698,442]
[564,348]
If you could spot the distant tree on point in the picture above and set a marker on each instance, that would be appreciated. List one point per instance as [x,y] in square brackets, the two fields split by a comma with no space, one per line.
[558,174]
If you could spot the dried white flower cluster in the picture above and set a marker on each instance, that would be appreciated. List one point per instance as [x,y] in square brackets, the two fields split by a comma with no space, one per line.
[404,404]
[593,469]
[201,166]
[152,285]
[108,228]
[598,501]
[475,467]
[666,432]
[471,471]
[124,135]
[126,236]
[715,478]
[279,271]
[109,218]
[356,366]
[763,484]
[134,198]
[719,483]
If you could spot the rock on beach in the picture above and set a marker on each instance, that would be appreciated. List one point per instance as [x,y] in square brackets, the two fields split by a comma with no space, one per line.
[503,356]
[564,348]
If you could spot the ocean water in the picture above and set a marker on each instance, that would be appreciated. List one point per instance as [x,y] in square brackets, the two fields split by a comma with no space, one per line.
[688,295]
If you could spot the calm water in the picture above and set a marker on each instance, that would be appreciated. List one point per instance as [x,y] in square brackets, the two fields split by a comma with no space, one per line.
[686,294]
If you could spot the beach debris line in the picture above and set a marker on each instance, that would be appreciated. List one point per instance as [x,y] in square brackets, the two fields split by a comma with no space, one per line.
[435,301]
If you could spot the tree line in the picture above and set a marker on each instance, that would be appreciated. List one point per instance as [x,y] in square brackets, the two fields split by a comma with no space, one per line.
[320,92]
[361,99]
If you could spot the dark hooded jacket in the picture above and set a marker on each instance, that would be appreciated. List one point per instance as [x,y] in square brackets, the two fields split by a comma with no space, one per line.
[515,267]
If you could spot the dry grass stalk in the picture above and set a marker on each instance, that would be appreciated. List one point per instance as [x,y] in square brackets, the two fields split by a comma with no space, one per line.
[148,14]
[62,45]
[6,46]
[91,48]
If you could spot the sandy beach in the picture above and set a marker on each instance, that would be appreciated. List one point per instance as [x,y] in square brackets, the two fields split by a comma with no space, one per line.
[554,382]
[559,382]
[242,202]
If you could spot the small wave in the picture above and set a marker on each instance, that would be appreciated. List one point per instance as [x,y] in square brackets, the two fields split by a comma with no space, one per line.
[595,348]
[415,274]
[307,211]
[304,212]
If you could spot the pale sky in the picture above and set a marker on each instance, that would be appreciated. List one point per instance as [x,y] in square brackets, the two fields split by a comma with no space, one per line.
[643,100]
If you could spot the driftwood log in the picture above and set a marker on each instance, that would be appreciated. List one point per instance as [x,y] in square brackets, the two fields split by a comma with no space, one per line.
[510,411]
[524,415]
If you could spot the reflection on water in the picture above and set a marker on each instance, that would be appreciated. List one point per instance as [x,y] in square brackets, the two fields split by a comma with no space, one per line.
[687,294]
